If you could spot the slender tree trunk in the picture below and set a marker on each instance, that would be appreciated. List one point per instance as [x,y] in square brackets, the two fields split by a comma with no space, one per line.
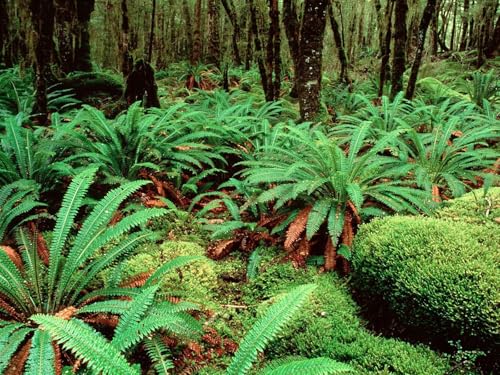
[213,32]
[465,25]
[189,30]
[435,28]
[4,31]
[259,51]
[380,24]
[292,31]
[152,33]
[196,52]
[233,18]
[493,47]
[82,53]
[273,53]
[127,61]
[422,31]
[340,47]
[454,26]
[310,58]
[399,56]
[249,54]
[42,12]
[386,48]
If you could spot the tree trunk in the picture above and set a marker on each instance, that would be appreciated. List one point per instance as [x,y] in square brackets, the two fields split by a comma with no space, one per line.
[213,32]
[340,46]
[435,28]
[189,31]
[422,31]
[399,56]
[310,57]
[292,31]
[152,33]
[274,52]
[454,26]
[82,51]
[465,25]
[386,48]
[66,19]
[127,61]
[196,52]
[42,12]
[493,47]
[249,54]
[4,31]
[231,14]
[259,52]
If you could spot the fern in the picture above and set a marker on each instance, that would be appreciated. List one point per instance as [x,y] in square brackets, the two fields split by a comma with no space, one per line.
[159,354]
[266,329]
[86,343]
[42,356]
[315,366]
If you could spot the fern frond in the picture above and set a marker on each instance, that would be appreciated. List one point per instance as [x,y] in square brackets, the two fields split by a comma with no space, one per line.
[87,344]
[42,356]
[267,327]
[315,366]
[8,349]
[159,355]
[177,262]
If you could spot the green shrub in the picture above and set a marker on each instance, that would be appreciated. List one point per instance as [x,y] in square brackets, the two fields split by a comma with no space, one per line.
[439,277]
[329,326]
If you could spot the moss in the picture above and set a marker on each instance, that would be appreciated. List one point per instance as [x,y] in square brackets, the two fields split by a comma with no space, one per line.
[195,282]
[440,277]
[329,326]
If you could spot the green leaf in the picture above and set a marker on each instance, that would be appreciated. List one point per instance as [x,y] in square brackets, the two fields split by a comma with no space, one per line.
[41,357]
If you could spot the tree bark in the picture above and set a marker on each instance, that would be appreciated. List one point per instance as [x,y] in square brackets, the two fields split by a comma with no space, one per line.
[152,33]
[127,61]
[454,26]
[435,29]
[493,47]
[399,56]
[213,32]
[42,12]
[189,31]
[82,52]
[465,25]
[274,52]
[344,77]
[196,52]
[66,19]
[249,50]
[422,31]
[386,48]
[233,18]
[292,31]
[4,31]
[310,57]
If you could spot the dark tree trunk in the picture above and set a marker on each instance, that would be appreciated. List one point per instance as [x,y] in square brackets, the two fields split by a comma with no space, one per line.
[152,33]
[399,56]
[127,61]
[273,53]
[310,57]
[213,32]
[196,52]
[465,25]
[422,31]
[4,31]
[66,18]
[259,52]
[340,46]
[493,47]
[231,14]
[249,54]
[386,47]
[292,31]
[189,31]
[435,29]
[42,12]
[141,86]
[481,38]
[454,26]
[82,51]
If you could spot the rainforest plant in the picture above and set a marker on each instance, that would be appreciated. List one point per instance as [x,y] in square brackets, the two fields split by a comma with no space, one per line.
[16,200]
[44,290]
[330,188]
[446,159]
[266,328]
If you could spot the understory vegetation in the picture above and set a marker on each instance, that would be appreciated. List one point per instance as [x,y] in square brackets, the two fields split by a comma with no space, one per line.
[279,215]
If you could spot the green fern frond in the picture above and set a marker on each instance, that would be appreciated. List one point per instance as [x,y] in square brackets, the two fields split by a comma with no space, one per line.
[267,327]
[315,366]
[175,263]
[159,355]
[87,344]
[42,356]
[8,349]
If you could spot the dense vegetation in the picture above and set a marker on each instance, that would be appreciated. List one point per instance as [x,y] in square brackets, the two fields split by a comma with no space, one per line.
[249,187]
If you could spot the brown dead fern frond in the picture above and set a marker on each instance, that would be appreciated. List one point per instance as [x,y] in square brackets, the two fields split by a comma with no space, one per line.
[17,362]
[137,281]
[220,249]
[10,310]
[330,255]
[104,320]
[67,313]
[14,256]
[296,228]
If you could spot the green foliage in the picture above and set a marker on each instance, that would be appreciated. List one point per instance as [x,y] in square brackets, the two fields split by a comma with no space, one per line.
[16,200]
[29,155]
[313,170]
[484,87]
[328,326]
[42,356]
[316,366]
[439,277]
[266,329]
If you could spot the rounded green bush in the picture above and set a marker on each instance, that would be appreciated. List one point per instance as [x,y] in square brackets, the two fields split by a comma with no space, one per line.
[329,326]
[438,276]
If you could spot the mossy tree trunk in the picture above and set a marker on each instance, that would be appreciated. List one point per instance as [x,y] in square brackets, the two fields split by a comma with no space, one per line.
[42,13]
[310,57]
[4,32]
[422,32]
[233,18]
[292,31]
[83,61]
[385,48]
[399,55]
[197,47]
[339,43]
[213,32]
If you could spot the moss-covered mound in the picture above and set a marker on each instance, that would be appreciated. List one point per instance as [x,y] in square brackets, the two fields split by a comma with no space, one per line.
[439,277]
[330,326]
